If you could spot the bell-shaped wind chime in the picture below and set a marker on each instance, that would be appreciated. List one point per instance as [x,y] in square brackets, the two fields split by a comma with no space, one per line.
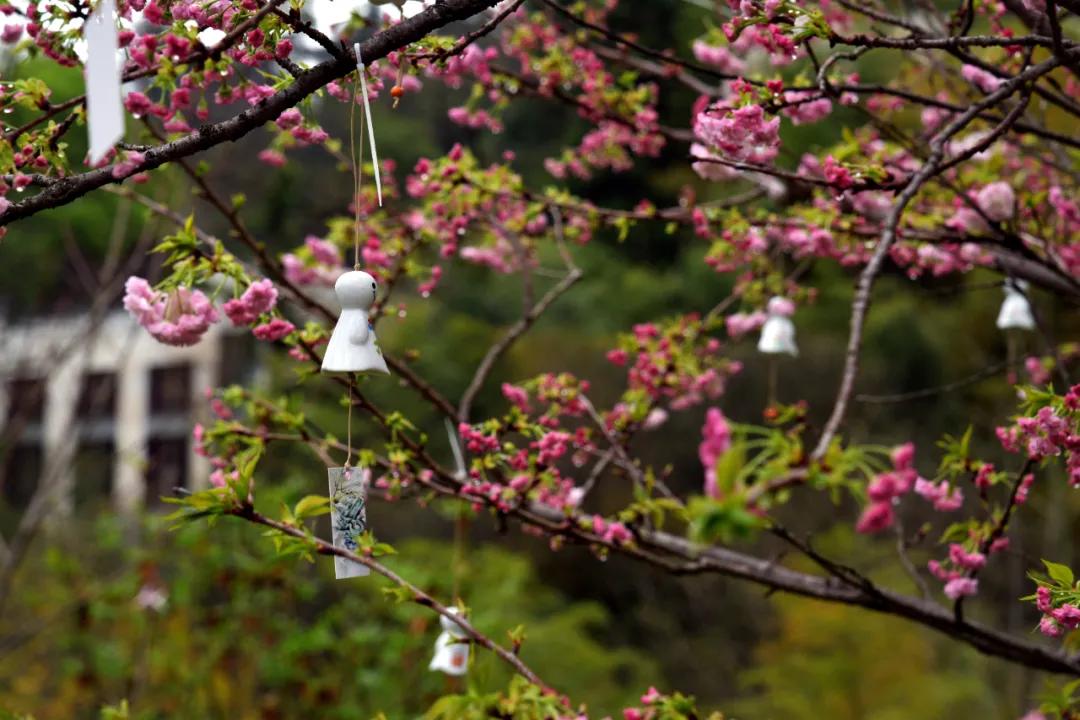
[1015,319]
[777,338]
[353,348]
[451,648]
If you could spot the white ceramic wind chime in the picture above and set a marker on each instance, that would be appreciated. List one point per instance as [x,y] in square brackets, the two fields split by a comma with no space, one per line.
[104,106]
[1015,319]
[353,348]
[451,648]
[777,338]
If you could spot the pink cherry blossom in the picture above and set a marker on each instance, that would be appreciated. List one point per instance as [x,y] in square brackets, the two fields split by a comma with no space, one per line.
[961,587]
[259,298]
[876,517]
[716,434]
[276,329]
[997,200]
[179,317]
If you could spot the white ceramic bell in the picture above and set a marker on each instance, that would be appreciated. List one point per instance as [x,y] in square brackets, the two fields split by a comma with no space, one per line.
[451,655]
[353,346]
[1015,311]
[778,332]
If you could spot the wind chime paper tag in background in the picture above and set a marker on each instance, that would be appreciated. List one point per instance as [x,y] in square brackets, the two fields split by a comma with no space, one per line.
[348,516]
[104,107]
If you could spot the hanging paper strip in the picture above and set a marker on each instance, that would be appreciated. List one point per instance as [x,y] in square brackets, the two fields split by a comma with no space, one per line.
[348,516]
[104,107]
[367,116]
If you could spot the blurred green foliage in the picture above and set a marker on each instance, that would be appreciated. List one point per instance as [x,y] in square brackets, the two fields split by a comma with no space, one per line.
[244,634]
[247,635]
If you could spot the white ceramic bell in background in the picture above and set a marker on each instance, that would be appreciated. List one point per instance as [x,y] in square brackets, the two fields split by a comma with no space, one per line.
[1015,313]
[778,332]
[451,654]
[353,346]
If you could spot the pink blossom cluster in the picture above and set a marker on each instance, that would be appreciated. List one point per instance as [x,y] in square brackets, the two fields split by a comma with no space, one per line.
[676,362]
[743,134]
[499,257]
[732,251]
[1049,432]
[718,56]
[707,166]
[476,441]
[885,490]
[273,330]
[610,531]
[957,571]
[563,393]
[259,298]
[610,146]
[319,263]
[982,79]
[741,323]
[1057,618]
[769,37]
[997,201]
[552,446]
[179,317]
[650,707]
[517,396]
[475,119]
[945,497]
[716,440]
[806,106]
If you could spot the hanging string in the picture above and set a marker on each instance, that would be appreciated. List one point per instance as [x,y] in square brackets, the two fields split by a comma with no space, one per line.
[356,158]
[348,429]
[461,530]
[357,171]
[461,519]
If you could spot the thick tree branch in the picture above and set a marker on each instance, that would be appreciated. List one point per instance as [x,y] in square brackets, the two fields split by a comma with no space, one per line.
[64,190]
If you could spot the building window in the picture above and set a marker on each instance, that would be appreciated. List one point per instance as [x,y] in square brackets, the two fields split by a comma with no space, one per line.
[166,468]
[237,362]
[170,390]
[95,416]
[93,472]
[22,458]
[97,397]
[22,472]
[168,430]
[26,400]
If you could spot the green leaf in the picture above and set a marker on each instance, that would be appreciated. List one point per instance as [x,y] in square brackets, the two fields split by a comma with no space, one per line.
[1061,573]
[312,506]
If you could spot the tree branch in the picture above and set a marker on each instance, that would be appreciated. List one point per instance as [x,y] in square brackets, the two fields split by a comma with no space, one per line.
[64,190]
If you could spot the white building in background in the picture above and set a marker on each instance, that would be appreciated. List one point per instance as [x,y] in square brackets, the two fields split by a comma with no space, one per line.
[106,413]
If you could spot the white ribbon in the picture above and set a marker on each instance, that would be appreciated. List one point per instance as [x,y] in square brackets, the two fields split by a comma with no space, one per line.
[367,115]
[104,107]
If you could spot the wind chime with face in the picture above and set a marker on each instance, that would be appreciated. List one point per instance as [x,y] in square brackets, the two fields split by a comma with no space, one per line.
[353,348]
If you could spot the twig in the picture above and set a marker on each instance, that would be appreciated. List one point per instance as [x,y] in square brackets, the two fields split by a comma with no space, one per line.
[503,344]
[861,303]
[418,596]
[987,372]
